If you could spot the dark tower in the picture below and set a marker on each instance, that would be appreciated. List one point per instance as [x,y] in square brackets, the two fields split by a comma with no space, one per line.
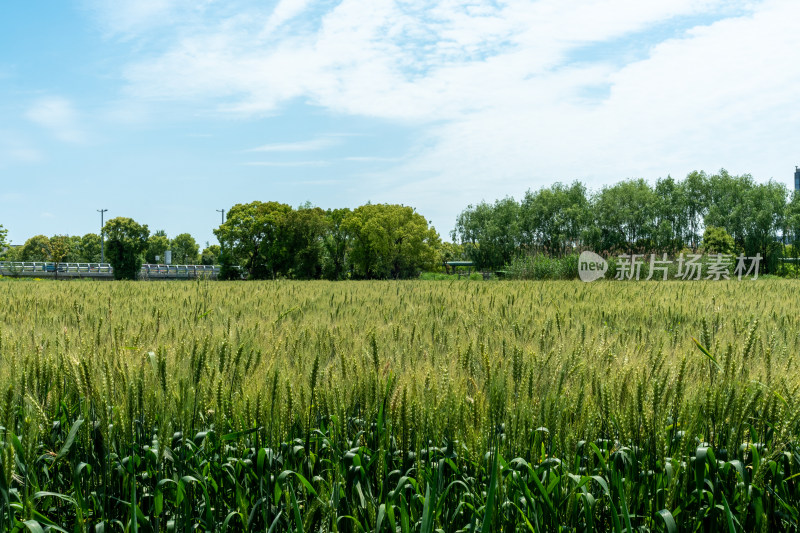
[797,178]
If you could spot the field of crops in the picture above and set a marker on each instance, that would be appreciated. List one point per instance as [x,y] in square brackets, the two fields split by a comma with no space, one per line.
[399,406]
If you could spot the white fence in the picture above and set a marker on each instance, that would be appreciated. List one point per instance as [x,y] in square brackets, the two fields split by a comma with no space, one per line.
[29,268]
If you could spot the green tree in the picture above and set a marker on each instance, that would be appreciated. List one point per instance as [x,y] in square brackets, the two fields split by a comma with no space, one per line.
[125,244]
[490,233]
[792,220]
[624,217]
[390,241]
[74,255]
[185,250]
[58,249]
[671,224]
[728,204]
[252,237]
[766,208]
[157,246]
[553,219]
[304,234]
[89,248]
[210,255]
[448,251]
[12,253]
[336,244]
[36,248]
[695,190]
[7,252]
[718,241]
[753,213]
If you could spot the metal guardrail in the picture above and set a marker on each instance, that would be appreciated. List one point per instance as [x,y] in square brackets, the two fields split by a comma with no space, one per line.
[179,271]
[34,266]
[29,268]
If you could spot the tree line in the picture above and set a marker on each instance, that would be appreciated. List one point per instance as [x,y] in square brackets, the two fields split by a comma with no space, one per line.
[632,216]
[374,241]
[86,249]
[267,240]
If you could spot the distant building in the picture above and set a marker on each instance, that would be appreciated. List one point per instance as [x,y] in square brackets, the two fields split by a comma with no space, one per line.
[797,178]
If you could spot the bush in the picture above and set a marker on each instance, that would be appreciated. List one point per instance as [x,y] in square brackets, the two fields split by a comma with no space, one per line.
[540,266]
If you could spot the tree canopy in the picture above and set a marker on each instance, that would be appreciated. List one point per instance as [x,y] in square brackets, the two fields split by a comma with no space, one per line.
[185,250]
[632,216]
[36,248]
[271,239]
[126,242]
[389,241]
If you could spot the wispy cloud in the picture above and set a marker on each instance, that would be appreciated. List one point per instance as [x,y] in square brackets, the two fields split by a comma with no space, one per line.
[286,163]
[372,159]
[128,19]
[10,197]
[284,11]
[57,115]
[15,149]
[299,146]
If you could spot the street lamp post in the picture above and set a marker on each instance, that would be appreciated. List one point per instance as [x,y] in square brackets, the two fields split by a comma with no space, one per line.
[102,243]
[222,211]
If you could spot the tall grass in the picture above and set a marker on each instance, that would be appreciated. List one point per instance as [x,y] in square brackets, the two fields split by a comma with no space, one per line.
[353,406]
[543,267]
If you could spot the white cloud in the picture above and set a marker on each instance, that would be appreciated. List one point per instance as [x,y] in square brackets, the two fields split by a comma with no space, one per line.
[284,11]
[287,164]
[503,93]
[15,149]
[299,146]
[57,115]
[372,159]
[127,19]
[11,197]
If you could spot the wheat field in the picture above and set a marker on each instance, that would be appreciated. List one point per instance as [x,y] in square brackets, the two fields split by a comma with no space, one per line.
[399,406]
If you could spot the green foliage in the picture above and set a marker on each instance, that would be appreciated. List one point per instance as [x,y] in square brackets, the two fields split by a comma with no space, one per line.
[210,255]
[553,218]
[126,241]
[624,217]
[157,246]
[633,217]
[718,241]
[541,267]
[185,250]
[448,251]
[271,240]
[304,231]
[489,233]
[3,237]
[59,248]
[389,241]
[335,244]
[89,248]
[36,248]
[252,237]
[12,253]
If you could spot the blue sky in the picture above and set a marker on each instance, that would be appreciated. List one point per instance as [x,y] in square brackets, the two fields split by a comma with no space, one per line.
[167,110]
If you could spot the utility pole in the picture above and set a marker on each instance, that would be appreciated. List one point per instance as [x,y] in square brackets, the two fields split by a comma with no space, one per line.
[102,243]
[222,211]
